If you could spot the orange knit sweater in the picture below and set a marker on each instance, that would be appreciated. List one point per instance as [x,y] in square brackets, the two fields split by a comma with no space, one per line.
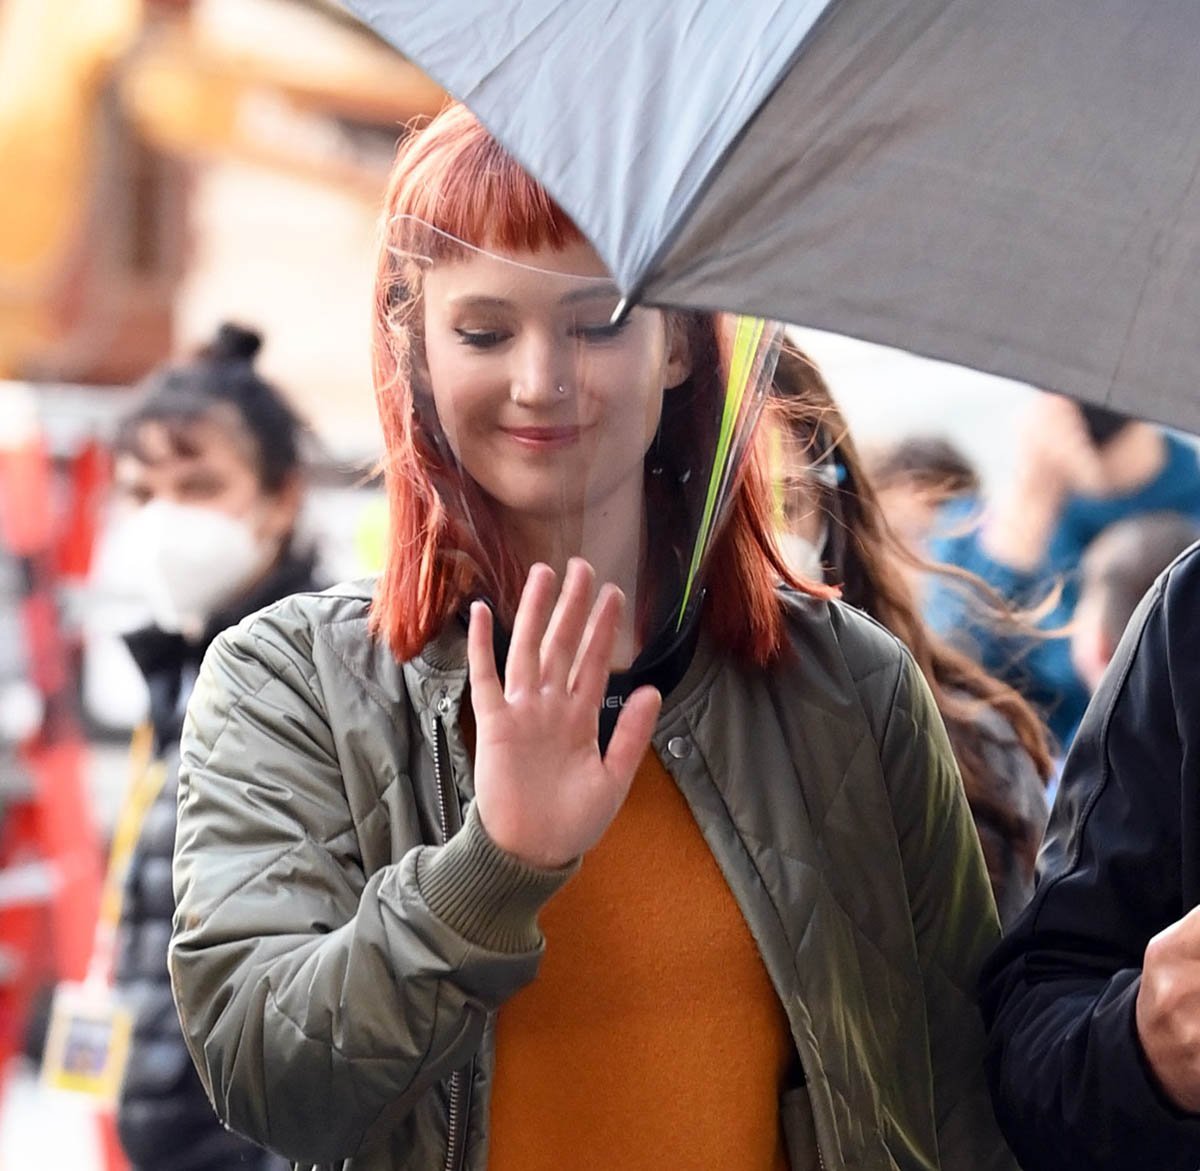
[652,1037]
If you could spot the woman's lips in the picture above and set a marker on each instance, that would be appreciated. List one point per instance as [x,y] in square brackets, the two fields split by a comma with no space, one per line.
[545,438]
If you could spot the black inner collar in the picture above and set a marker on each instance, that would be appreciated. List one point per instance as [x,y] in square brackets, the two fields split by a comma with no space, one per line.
[662,663]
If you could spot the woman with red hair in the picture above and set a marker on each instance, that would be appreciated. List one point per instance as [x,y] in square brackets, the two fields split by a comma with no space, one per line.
[577,840]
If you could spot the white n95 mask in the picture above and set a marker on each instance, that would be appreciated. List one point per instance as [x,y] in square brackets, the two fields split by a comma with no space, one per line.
[192,560]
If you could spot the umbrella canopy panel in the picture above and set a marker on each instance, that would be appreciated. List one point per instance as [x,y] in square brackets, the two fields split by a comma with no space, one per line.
[623,110]
[1010,186]
[1005,184]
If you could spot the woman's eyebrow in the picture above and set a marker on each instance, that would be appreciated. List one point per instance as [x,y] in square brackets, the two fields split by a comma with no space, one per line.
[479,301]
[602,289]
[200,478]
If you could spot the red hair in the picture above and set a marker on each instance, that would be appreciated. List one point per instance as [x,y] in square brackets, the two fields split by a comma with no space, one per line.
[455,177]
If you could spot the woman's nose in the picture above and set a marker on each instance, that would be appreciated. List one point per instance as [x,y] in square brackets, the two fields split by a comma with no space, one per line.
[543,373]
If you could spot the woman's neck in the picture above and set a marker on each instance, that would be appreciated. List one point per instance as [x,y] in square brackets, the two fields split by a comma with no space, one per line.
[610,536]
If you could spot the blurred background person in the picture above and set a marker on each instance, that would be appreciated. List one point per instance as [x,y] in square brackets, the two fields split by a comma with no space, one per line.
[1118,569]
[166,164]
[835,530]
[1079,470]
[913,479]
[209,482]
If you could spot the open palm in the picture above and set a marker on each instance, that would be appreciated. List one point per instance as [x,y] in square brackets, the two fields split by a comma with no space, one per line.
[544,792]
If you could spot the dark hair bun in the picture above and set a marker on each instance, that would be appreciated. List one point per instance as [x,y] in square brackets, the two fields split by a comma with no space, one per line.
[222,374]
[233,343]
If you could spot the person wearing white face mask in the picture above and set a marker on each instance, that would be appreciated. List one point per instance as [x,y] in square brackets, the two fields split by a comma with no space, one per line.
[193,559]
[209,485]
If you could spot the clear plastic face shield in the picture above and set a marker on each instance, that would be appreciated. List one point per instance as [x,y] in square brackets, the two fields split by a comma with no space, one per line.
[552,432]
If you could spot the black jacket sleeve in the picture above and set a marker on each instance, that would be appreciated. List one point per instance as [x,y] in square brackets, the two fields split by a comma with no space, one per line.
[1071,1084]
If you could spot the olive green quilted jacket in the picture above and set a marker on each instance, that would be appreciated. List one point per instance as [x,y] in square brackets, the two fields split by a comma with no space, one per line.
[344,934]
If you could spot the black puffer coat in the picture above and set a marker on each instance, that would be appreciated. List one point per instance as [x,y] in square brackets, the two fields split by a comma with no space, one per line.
[165,1120]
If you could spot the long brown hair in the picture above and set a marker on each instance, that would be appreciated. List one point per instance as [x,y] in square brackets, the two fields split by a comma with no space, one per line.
[869,561]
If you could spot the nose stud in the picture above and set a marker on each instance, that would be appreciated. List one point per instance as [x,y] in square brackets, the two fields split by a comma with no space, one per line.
[562,389]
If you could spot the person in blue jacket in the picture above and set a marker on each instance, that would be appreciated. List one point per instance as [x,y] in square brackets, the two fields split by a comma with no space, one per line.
[1079,470]
[1092,1000]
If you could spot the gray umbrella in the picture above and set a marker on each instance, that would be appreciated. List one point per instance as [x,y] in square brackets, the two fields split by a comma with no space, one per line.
[1005,184]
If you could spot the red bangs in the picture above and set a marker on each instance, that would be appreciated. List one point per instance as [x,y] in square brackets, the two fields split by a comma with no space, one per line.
[458,179]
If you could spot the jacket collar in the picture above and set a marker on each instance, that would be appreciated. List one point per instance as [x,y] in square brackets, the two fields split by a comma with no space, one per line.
[441,669]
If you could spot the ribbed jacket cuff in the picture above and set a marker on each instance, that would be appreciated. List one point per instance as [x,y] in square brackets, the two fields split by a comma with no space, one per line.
[484,893]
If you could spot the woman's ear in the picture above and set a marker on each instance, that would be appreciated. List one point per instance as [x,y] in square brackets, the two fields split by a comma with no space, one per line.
[679,351]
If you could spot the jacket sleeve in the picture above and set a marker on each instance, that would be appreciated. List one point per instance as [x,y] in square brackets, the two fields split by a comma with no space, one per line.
[953,914]
[319,1002]
[1071,1083]
[960,615]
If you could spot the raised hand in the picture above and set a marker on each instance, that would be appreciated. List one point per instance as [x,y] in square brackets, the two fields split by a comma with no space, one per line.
[1168,1010]
[543,791]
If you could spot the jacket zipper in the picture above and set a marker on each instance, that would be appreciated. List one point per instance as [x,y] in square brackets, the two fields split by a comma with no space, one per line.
[440,770]
[460,1079]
